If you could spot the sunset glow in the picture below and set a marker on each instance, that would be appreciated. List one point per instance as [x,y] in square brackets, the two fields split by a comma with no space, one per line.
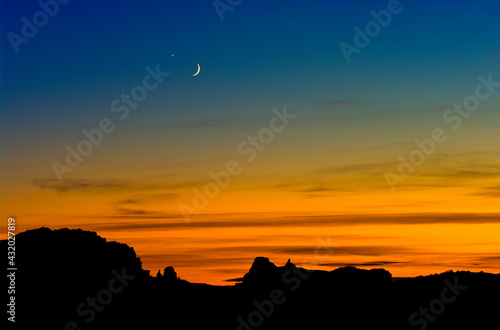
[279,146]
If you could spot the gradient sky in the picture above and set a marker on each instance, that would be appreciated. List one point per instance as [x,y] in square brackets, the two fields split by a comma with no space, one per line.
[320,184]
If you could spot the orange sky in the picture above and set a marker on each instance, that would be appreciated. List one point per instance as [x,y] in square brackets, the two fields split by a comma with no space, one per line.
[222,246]
[215,245]
[309,185]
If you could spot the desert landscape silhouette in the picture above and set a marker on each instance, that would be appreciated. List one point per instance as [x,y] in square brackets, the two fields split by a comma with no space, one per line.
[75,279]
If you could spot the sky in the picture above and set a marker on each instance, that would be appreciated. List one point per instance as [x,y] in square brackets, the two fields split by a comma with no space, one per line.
[329,132]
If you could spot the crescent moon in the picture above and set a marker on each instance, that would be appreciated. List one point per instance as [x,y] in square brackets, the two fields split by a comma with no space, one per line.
[198,70]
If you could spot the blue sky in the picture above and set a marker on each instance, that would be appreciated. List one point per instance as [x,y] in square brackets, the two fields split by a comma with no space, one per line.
[262,53]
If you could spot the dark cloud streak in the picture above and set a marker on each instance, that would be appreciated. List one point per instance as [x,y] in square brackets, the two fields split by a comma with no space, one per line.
[298,221]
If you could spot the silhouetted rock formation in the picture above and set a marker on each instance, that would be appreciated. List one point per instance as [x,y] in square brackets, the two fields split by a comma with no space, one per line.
[59,269]
[261,272]
[169,273]
[72,279]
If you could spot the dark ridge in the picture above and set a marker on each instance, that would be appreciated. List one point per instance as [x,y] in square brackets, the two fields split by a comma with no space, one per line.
[75,279]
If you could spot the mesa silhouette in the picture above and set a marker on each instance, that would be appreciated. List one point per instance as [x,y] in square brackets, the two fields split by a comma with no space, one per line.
[75,279]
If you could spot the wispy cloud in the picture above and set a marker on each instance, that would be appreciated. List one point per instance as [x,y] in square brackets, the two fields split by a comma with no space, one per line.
[195,260]
[211,221]
[124,210]
[492,258]
[361,264]
[128,201]
[314,189]
[87,185]
[136,199]
[207,123]
[340,103]
[135,212]
[493,191]
[69,185]
[370,167]
[362,250]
